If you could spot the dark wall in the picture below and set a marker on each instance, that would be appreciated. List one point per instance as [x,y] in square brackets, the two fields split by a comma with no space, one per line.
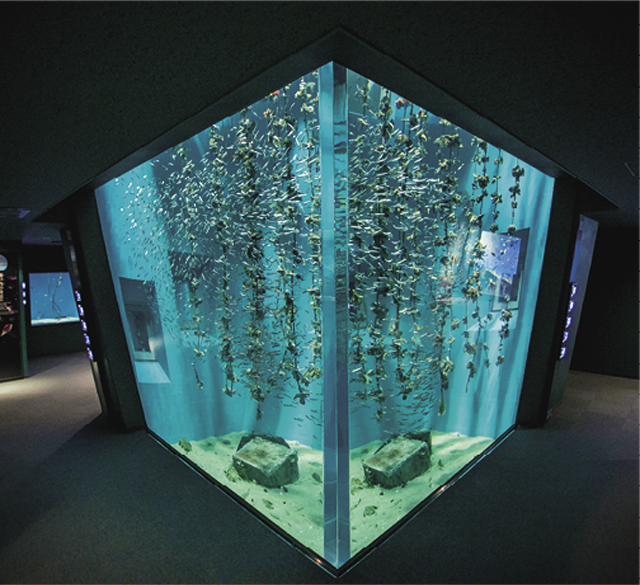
[54,339]
[43,259]
[607,340]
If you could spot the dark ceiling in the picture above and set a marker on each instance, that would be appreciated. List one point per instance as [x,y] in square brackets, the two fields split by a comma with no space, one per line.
[85,85]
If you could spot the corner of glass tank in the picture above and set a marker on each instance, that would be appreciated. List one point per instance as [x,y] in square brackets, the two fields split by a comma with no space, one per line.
[328,298]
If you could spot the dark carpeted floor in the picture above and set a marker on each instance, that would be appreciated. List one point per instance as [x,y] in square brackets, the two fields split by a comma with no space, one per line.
[80,503]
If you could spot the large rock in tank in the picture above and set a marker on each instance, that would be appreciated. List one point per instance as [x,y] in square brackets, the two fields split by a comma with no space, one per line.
[399,460]
[267,460]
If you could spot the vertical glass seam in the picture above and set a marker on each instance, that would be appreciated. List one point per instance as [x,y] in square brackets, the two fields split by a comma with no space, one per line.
[333,124]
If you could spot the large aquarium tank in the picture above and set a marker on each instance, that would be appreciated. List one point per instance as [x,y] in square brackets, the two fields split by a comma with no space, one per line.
[328,299]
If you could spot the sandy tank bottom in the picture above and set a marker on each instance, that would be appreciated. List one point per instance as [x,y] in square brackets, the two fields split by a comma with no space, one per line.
[298,507]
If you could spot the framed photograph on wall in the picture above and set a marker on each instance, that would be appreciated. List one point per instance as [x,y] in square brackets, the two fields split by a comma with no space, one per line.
[503,267]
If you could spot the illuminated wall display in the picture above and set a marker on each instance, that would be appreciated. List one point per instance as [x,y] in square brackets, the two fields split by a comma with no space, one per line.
[335,279]
[83,324]
[568,320]
[76,299]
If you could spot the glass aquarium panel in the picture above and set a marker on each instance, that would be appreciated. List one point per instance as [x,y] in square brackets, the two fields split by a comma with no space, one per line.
[442,294]
[51,298]
[328,300]
[218,242]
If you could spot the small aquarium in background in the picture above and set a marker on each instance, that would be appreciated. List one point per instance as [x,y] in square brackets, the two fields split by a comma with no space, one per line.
[51,298]
[328,299]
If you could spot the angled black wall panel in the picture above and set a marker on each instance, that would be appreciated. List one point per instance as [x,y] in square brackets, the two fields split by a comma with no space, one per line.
[120,396]
[548,323]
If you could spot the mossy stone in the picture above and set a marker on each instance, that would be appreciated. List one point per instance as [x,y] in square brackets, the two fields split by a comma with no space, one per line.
[398,461]
[266,461]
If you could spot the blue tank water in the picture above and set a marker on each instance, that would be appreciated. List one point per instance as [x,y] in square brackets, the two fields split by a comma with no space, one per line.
[51,298]
[333,266]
